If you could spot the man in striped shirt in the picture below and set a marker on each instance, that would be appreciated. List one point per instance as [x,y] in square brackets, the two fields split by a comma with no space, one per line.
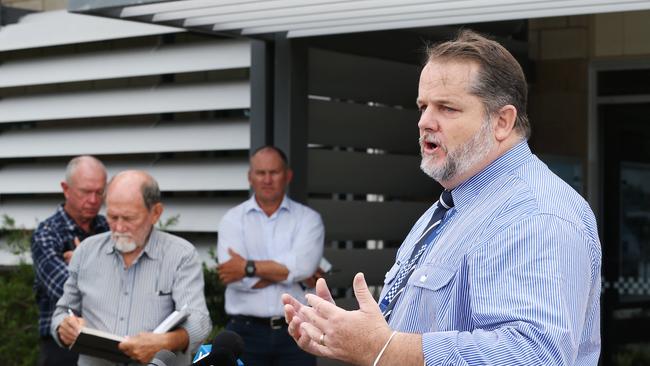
[510,272]
[128,280]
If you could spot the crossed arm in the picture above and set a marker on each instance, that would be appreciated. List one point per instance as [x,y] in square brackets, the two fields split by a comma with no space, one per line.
[291,266]
[268,271]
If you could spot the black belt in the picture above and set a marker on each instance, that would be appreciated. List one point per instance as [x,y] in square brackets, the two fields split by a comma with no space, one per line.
[274,322]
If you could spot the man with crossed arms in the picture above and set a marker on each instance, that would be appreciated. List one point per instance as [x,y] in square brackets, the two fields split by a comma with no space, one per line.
[268,245]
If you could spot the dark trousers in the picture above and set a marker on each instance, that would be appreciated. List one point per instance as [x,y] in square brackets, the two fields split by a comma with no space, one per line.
[53,355]
[265,346]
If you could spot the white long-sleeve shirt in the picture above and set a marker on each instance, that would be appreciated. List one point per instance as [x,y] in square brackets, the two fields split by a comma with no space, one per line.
[292,236]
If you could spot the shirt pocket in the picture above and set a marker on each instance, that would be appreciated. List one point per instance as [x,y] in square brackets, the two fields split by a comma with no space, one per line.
[432,277]
[429,295]
[160,305]
[392,272]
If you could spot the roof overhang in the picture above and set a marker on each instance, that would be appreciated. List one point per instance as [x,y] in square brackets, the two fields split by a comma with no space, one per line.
[56,28]
[306,18]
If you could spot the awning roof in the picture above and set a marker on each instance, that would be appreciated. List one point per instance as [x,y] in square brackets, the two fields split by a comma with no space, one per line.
[304,18]
[56,28]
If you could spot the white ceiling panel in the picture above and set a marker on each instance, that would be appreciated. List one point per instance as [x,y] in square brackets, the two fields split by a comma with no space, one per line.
[169,6]
[55,28]
[462,16]
[302,18]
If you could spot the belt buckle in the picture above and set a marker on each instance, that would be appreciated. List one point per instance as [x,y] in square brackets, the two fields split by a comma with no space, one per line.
[275,322]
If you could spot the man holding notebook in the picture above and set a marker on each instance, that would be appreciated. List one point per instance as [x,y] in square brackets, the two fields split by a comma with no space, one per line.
[126,282]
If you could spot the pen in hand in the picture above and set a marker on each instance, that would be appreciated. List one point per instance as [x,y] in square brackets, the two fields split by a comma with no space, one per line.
[78,323]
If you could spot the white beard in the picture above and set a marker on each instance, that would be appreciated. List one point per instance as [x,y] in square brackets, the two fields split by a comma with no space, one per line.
[124,243]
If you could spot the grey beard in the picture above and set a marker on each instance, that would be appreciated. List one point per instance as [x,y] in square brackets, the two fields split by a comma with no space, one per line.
[124,243]
[461,159]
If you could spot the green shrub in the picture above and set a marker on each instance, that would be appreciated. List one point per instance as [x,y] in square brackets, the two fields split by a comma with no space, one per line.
[214,291]
[18,311]
[18,317]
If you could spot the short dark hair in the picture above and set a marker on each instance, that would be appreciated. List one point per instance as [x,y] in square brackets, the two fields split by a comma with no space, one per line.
[500,80]
[277,150]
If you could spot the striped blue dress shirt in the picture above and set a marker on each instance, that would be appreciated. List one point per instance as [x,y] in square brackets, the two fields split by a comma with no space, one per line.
[513,277]
[127,301]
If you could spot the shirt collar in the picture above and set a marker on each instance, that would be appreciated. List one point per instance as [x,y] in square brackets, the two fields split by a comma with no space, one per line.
[96,225]
[251,205]
[506,163]
[69,222]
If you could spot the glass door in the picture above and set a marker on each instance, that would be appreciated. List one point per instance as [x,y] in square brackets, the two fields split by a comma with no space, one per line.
[625,139]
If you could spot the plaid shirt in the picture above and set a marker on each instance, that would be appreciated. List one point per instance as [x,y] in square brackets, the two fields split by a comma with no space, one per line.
[54,236]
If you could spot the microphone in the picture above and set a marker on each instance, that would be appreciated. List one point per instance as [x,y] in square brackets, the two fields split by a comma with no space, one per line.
[227,346]
[162,358]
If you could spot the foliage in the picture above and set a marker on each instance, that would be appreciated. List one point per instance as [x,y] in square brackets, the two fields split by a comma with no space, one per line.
[164,225]
[18,316]
[214,297]
[633,355]
[16,238]
[18,311]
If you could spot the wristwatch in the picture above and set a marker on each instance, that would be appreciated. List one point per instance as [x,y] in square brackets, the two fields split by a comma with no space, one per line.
[250,268]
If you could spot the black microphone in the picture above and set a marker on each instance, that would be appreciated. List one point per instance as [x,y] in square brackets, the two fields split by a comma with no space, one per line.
[162,358]
[227,346]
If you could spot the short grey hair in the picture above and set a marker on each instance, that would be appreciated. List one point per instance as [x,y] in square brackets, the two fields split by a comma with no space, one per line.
[148,189]
[150,193]
[73,164]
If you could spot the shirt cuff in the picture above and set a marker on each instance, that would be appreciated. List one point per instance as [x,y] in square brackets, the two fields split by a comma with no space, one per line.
[56,321]
[438,348]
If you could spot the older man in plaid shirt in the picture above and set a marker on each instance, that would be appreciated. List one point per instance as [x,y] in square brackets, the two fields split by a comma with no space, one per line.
[55,239]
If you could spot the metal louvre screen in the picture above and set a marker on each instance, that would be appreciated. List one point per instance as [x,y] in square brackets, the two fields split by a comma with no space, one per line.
[176,105]
[363,171]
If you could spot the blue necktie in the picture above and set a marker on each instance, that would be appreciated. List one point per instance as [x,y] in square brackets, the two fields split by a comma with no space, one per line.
[444,203]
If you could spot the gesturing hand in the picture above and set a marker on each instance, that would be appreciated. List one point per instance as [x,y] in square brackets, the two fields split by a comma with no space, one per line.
[351,336]
[67,255]
[293,306]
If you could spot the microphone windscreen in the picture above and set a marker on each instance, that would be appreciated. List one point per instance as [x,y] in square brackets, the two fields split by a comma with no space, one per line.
[227,346]
[228,342]
[163,358]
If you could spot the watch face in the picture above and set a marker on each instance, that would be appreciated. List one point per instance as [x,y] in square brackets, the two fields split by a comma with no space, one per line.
[250,268]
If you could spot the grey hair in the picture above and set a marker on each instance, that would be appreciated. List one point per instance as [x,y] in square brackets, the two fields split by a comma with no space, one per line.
[73,164]
[148,189]
[150,193]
